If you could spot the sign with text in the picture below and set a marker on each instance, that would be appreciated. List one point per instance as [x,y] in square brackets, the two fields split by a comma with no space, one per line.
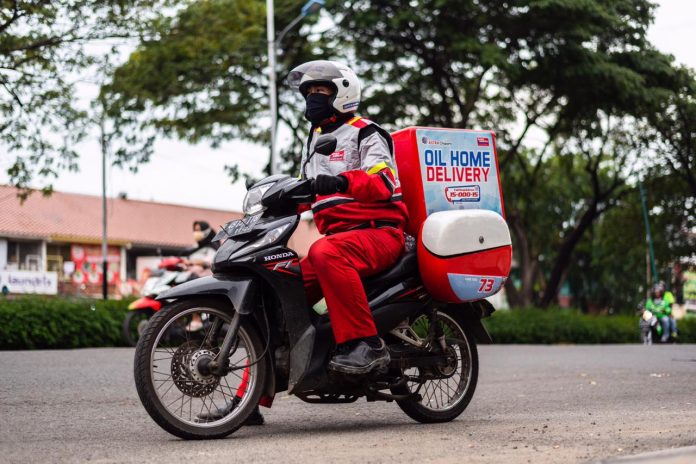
[459,170]
[45,283]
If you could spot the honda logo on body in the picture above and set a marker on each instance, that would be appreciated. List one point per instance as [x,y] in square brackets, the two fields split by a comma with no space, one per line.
[288,254]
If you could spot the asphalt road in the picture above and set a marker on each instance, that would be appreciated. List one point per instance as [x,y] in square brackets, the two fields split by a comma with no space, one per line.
[533,404]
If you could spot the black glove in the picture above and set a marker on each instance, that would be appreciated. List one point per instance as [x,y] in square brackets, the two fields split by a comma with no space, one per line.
[326,185]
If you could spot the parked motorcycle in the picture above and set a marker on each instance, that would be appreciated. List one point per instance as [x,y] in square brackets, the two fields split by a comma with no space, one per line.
[170,272]
[263,338]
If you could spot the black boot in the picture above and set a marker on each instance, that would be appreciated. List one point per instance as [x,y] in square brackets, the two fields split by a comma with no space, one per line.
[255,418]
[361,358]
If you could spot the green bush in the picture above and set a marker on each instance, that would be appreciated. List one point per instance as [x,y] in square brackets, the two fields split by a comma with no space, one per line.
[569,326]
[58,323]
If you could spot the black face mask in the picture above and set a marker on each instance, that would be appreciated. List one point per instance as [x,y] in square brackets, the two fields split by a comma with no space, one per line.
[318,108]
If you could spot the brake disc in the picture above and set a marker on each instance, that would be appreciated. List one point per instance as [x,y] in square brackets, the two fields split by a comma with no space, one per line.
[185,374]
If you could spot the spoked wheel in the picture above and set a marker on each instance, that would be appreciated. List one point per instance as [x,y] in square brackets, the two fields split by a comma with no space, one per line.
[183,396]
[134,325]
[445,390]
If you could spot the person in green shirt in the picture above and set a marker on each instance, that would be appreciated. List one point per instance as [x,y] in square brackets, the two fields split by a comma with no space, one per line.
[661,307]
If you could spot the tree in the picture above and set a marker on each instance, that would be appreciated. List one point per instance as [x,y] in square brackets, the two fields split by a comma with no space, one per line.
[42,54]
[554,68]
[572,89]
[672,130]
[203,76]
[610,270]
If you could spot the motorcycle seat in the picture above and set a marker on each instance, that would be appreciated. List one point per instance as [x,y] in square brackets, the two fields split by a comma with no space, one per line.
[406,266]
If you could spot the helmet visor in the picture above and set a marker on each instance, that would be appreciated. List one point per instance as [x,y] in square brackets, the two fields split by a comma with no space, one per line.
[313,71]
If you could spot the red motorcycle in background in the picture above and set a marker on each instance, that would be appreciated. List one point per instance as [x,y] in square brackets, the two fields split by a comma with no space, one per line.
[169,273]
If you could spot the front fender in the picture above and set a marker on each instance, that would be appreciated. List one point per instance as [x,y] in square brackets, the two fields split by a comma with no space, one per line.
[238,290]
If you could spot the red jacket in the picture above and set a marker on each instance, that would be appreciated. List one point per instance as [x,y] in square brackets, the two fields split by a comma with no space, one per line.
[363,156]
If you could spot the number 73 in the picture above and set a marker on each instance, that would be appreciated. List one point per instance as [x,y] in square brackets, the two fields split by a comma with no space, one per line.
[486,285]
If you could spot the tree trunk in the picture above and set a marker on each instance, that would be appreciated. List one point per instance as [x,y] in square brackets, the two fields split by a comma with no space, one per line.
[528,266]
[565,252]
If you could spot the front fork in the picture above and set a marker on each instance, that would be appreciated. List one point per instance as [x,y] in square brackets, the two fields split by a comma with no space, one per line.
[221,364]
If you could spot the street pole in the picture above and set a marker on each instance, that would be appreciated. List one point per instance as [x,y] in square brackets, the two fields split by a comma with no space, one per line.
[309,8]
[270,35]
[648,235]
[105,284]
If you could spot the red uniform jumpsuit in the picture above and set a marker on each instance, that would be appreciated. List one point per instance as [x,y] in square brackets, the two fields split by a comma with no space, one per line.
[363,226]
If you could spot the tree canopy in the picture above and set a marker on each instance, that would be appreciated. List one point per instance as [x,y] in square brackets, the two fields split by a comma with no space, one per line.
[42,56]
[583,104]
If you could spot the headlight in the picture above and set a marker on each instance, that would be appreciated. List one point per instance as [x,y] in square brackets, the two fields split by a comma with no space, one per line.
[267,239]
[252,200]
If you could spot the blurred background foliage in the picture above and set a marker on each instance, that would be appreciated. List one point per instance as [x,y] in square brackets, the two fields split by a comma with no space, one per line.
[35,322]
[583,105]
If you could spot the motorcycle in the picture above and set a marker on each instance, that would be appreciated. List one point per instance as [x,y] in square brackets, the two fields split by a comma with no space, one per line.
[170,272]
[651,330]
[263,338]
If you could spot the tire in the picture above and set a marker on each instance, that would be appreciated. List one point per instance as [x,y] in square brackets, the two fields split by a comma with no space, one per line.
[145,357]
[131,325]
[418,411]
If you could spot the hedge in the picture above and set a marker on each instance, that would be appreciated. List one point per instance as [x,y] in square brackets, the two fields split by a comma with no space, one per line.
[49,323]
[570,326]
[59,323]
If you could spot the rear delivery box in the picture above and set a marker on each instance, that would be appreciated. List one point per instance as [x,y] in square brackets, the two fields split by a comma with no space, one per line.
[447,169]
[451,187]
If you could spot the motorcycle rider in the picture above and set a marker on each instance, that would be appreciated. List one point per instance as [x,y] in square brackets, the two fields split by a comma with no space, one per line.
[358,207]
[199,260]
[662,309]
[355,185]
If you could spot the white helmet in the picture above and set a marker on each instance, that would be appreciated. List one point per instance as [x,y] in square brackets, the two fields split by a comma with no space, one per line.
[336,75]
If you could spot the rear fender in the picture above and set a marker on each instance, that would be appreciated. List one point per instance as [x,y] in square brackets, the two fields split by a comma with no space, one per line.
[472,313]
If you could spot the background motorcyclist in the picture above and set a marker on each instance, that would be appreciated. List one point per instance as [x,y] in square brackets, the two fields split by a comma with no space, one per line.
[662,309]
[200,257]
[199,260]
[358,207]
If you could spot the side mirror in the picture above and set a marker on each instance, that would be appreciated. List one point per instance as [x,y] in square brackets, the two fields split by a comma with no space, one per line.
[249,182]
[326,144]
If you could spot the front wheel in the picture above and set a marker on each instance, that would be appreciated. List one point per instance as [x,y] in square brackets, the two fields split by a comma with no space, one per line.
[445,391]
[179,393]
[134,325]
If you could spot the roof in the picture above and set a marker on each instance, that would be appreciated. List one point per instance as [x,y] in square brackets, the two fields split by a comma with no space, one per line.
[71,217]
[76,218]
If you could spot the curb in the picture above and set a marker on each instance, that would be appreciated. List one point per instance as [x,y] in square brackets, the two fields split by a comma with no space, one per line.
[683,455]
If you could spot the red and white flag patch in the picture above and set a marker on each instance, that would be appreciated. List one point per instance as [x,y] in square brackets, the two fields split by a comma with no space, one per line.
[338,156]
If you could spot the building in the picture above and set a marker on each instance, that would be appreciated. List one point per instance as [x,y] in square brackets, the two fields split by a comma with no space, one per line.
[53,244]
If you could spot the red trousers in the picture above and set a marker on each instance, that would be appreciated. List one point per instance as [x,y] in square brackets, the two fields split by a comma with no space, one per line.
[333,267]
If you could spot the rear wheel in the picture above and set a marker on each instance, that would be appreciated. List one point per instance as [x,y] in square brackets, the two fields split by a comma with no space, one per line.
[176,389]
[446,390]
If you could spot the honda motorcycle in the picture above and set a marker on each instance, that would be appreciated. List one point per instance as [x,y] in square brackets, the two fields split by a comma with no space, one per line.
[263,337]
